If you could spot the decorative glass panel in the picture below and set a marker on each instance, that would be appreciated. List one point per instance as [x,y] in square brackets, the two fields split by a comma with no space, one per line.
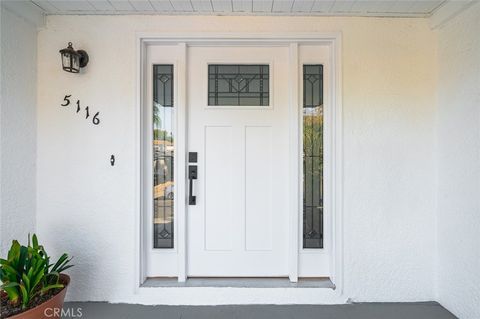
[163,146]
[313,156]
[238,85]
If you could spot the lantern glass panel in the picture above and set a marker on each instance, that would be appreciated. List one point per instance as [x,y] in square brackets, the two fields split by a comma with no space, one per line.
[75,63]
[66,60]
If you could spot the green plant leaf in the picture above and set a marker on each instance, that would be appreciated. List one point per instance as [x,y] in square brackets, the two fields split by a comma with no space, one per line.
[11,270]
[53,273]
[25,296]
[37,279]
[61,260]
[62,269]
[35,241]
[30,272]
[47,288]
[9,285]
[4,262]
[47,262]
[26,282]
[52,277]
[13,293]
[21,259]
[14,251]
[9,277]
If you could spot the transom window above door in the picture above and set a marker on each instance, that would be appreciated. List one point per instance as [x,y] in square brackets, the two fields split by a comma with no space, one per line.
[238,85]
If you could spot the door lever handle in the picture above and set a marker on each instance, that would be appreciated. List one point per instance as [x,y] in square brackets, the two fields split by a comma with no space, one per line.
[192,174]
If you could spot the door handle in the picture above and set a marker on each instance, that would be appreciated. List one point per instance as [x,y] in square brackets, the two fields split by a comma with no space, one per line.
[192,174]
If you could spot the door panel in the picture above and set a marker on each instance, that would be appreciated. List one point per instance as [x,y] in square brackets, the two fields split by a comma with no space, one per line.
[218,188]
[238,226]
[258,188]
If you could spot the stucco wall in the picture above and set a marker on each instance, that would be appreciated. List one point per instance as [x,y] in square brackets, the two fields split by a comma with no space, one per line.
[459,168]
[389,102]
[18,125]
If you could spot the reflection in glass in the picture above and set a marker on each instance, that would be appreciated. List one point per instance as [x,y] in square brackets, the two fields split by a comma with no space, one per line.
[313,156]
[238,84]
[163,147]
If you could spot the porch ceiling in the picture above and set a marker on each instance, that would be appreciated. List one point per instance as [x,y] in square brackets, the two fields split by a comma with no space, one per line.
[391,8]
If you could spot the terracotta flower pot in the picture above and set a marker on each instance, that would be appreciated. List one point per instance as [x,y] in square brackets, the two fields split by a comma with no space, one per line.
[51,308]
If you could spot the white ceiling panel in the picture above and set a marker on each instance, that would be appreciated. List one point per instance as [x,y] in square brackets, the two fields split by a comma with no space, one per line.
[122,5]
[73,5]
[322,6]
[342,6]
[392,8]
[302,5]
[282,5]
[46,6]
[202,6]
[222,5]
[372,6]
[242,5]
[402,6]
[182,5]
[409,6]
[143,6]
[101,5]
[161,5]
[424,6]
[262,5]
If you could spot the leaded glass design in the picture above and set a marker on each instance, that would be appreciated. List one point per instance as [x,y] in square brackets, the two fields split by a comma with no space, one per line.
[313,156]
[238,85]
[163,156]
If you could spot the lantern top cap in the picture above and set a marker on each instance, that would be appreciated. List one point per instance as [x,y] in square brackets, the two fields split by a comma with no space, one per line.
[69,50]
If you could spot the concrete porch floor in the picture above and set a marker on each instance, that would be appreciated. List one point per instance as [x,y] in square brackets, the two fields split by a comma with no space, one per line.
[422,310]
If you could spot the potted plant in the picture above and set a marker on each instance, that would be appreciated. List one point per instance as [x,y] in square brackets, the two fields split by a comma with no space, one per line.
[32,287]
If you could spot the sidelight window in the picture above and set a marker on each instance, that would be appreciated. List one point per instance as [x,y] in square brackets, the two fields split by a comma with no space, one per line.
[163,156]
[313,156]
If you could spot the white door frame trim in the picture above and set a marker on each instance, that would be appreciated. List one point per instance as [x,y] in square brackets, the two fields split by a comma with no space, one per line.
[294,163]
[333,41]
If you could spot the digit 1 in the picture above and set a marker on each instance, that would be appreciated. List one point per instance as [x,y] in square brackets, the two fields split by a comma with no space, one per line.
[88,114]
[78,106]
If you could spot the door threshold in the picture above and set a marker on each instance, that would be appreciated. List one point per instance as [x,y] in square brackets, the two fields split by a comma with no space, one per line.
[323,282]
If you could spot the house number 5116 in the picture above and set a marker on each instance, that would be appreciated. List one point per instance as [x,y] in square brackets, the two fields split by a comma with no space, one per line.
[95,118]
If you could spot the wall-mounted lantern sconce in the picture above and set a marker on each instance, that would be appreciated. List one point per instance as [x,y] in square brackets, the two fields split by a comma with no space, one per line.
[73,60]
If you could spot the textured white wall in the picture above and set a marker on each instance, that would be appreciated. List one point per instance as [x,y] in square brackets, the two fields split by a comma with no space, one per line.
[389,74]
[459,165]
[18,125]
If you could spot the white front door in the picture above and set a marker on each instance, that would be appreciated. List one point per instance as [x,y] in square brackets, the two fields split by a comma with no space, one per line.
[238,125]
[259,119]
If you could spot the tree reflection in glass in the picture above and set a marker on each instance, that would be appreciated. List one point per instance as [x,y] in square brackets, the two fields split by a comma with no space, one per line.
[163,156]
[312,156]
